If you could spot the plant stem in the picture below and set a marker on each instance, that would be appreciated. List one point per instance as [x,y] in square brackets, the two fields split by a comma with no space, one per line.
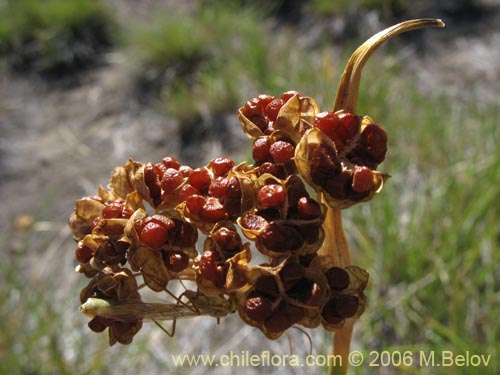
[335,246]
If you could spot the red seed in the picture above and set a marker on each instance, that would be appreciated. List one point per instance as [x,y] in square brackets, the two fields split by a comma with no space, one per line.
[273,108]
[266,285]
[271,196]
[208,265]
[260,149]
[258,308]
[184,234]
[218,187]
[155,231]
[170,162]
[152,181]
[221,166]
[195,203]
[338,278]
[171,180]
[213,211]
[347,131]
[253,222]
[176,261]
[282,151]
[362,180]
[153,235]
[327,122]
[308,208]
[83,254]
[200,179]
[113,210]
[289,94]
[374,141]
[281,238]
[186,191]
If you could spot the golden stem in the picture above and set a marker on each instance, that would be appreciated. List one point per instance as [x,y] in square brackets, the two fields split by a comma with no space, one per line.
[347,92]
[336,246]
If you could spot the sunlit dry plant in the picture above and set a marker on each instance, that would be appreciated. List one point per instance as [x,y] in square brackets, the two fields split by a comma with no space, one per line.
[308,279]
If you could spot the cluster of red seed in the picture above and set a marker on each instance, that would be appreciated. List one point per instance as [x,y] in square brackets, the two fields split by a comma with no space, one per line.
[267,202]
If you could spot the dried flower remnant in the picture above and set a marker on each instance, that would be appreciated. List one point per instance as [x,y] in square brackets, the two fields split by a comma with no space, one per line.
[240,209]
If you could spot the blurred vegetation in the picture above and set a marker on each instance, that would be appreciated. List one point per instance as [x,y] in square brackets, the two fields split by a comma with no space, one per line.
[53,36]
[329,8]
[430,240]
[199,60]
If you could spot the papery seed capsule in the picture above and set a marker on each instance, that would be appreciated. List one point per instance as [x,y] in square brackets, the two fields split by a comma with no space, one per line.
[221,166]
[175,261]
[338,278]
[83,254]
[266,285]
[271,196]
[258,308]
[281,151]
[171,180]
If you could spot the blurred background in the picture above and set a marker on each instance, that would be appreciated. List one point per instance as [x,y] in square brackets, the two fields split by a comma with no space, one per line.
[87,84]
